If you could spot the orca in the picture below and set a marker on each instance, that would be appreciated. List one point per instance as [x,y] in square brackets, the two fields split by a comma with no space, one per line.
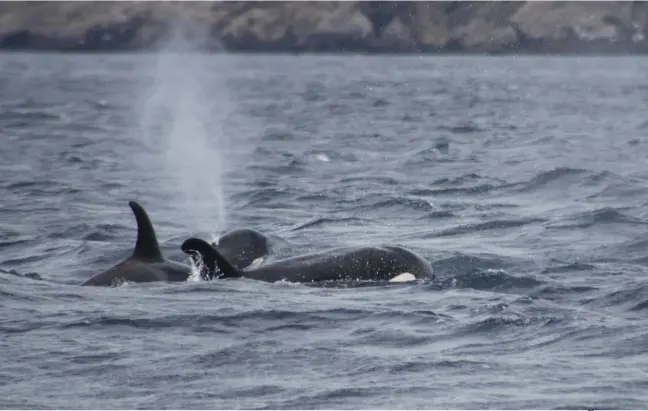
[244,247]
[384,263]
[147,263]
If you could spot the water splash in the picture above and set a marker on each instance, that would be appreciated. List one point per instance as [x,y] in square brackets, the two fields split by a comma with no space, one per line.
[182,122]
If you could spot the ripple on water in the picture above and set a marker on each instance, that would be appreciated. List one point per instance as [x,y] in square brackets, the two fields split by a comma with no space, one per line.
[535,229]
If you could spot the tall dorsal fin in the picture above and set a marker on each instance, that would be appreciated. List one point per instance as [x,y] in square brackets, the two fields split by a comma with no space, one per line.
[147,246]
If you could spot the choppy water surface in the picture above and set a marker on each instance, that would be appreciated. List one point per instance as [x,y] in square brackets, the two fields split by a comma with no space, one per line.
[522,180]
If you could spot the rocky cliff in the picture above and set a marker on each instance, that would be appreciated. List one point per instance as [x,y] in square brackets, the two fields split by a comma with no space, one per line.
[299,26]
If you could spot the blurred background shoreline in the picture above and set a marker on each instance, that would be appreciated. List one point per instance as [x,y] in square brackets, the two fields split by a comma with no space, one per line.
[536,27]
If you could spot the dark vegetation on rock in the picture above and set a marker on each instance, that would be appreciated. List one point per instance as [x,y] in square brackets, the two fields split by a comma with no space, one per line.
[374,26]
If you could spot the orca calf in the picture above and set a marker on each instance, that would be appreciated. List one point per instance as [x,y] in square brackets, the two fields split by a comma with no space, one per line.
[385,263]
[243,247]
[147,263]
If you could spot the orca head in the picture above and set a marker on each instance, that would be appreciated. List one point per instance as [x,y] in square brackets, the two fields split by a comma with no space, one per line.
[243,246]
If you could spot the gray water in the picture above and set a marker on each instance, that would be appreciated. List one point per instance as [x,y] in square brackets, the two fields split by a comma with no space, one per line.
[522,180]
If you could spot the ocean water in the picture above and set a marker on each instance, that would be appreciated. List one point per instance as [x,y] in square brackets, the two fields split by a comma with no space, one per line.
[523,180]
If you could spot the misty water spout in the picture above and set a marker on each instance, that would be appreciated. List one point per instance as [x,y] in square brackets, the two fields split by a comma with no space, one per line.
[182,122]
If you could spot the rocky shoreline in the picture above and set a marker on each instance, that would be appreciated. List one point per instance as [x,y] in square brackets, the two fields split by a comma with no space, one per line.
[330,27]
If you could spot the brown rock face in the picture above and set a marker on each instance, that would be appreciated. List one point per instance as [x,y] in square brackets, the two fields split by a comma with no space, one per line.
[586,26]
[373,26]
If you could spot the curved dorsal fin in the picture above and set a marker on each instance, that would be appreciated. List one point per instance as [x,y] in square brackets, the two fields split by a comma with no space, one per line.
[147,246]
[211,257]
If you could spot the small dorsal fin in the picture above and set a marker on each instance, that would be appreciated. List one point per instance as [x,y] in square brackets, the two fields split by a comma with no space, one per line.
[211,257]
[147,246]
